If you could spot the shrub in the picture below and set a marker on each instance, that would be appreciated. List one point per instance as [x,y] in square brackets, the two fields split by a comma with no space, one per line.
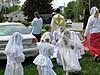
[26,23]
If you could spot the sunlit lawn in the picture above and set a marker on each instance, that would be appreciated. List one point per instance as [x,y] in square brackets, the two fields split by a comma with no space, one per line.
[88,67]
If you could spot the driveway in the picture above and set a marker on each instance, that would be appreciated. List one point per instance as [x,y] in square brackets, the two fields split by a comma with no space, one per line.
[76,26]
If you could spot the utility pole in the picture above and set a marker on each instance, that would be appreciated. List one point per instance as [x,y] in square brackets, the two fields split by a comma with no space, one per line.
[9,2]
[74,12]
[89,5]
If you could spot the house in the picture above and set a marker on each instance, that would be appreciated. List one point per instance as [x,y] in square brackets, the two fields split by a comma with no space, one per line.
[15,16]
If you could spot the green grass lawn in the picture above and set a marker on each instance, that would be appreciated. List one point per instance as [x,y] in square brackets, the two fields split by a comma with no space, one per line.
[88,67]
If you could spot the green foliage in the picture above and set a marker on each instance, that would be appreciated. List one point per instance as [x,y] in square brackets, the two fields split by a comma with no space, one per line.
[12,8]
[74,9]
[2,19]
[26,23]
[83,4]
[88,67]
[80,6]
[92,3]
[69,11]
[68,26]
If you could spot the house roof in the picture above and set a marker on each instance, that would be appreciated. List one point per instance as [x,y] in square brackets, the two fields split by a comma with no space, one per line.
[14,13]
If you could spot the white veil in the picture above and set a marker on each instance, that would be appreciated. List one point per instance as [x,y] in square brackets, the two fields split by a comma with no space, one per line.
[66,38]
[93,10]
[57,34]
[69,55]
[14,45]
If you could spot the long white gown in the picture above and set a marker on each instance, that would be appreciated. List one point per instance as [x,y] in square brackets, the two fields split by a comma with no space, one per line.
[68,55]
[15,56]
[14,66]
[43,62]
[79,49]
[69,59]
[56,38]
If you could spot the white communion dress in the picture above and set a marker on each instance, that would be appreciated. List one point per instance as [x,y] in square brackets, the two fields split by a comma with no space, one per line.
[14,66]
[15,56]
[69,58]
[79,49]
[43,62]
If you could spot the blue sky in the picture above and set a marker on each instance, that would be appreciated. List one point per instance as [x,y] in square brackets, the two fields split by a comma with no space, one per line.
[56,3]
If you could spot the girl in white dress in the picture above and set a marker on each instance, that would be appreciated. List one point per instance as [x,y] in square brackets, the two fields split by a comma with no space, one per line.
[15,56]
[79,49]
[56,37]
[43,62]
[68,55]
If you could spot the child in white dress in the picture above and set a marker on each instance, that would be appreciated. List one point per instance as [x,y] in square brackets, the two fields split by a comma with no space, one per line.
[15,56]
[43,62]
[68,55]
[79,49]
[56,37]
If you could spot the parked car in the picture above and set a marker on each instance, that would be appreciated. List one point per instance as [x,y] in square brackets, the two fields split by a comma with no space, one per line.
[29,41]
[68,21]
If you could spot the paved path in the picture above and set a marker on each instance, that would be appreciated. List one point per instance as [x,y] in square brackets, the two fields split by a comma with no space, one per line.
[76,26]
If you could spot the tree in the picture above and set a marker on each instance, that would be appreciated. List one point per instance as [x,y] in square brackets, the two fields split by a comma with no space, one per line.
[43,6]
[12,8]
[2,19]
[87,4]
[95,3]
[92,3]
[75,8]
[70,10]
[14,2]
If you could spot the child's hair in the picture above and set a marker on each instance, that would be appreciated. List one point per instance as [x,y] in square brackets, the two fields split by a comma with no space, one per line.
[47,40]
[36,14]
[48,27]
[67,33]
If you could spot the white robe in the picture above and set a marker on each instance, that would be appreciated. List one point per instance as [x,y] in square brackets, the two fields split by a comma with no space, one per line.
[43,62]
[14,66]
[93,25]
